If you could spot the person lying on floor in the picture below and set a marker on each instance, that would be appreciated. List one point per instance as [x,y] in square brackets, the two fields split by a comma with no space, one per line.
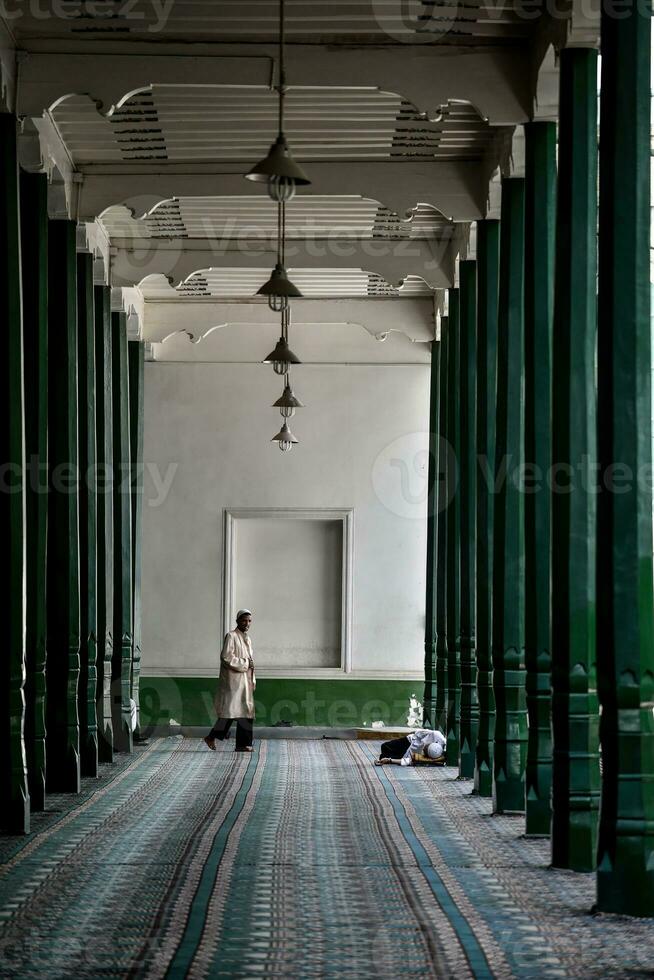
[401,751]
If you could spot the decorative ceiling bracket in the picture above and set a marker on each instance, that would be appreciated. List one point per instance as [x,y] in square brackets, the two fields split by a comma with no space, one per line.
[546,100]
[129,300]
[40,150]
[91,237]
[583,26]
[8,65]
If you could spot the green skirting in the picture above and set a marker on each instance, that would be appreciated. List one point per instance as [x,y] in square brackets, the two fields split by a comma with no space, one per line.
[334,703]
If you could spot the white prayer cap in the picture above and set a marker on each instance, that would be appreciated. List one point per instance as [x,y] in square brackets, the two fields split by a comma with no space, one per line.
[434,750]
[242,612]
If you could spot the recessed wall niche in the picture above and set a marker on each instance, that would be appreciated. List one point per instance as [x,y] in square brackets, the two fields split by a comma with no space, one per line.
[292,568]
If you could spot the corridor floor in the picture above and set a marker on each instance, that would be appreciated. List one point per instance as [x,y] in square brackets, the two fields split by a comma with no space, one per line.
[301,860]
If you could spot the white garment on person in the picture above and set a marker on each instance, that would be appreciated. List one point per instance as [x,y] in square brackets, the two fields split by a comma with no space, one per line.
[418,742]
[237,681]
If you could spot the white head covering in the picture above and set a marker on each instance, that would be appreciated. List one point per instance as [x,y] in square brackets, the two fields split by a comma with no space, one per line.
[242,612]
[435,750]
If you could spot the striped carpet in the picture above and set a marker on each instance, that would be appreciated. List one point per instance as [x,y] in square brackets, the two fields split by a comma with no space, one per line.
[300,860]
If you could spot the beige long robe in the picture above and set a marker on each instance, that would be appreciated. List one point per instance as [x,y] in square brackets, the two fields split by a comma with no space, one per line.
[237,681]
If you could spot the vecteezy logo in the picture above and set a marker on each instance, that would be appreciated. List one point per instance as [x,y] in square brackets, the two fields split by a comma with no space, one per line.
[400,475]
[414,21]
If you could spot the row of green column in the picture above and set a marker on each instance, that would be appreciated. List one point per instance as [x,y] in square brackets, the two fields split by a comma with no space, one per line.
[72,444]
[550,611]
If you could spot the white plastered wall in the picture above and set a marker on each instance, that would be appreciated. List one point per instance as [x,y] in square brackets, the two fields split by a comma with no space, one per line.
[363,447]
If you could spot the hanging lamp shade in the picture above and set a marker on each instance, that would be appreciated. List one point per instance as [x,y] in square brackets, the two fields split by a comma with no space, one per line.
[279,284]
[285,438]
[280,165]
[282,357]
[288,402]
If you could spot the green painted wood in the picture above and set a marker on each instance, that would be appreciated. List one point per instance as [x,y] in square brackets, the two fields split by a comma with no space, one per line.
[453,561]
[508,650]
[63,601]
[15,810]
[87,517]
[136,353]
[105,519]
[540,226]
[488,267]
[121,664]
[441,537]
[625,649]
[468,495]
[34,258]
[575,720]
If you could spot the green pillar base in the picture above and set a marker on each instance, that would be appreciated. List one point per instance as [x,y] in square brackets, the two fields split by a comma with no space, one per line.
[467,760]
[509,777]
[452,751]
[16,816]
[36,776]
[63,772]
[578,850]
[538,814]
[89,755]
[483,777]
[106,746]
[625,884]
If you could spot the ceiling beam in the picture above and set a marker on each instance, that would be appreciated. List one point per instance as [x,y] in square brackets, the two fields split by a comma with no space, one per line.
[380,317]
[497,80]
[177,259]
[457,190]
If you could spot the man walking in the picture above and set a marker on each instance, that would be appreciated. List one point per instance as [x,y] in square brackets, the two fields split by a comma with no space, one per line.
[236,684]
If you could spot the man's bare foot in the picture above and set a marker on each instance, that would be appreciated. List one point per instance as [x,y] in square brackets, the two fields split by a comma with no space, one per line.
[211,742]
[245,748]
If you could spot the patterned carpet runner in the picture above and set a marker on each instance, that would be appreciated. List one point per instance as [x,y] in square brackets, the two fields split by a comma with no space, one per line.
[300,860]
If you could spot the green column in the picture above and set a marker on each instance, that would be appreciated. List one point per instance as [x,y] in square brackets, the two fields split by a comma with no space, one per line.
[453,562]
[444,476]
[510,748]
[429,700]
[105,519]
[63,602]
[15,810]
[575,720]
[34,256]
[540,219]
[121,665]
[136,350]
[488,257]
[468,388]
[87,518]
[625,649]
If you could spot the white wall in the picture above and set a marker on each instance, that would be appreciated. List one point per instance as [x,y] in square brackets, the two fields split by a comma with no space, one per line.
[363,445]
[290,571]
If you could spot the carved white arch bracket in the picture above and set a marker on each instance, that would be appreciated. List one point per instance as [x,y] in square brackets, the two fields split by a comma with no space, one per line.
[130,300]
[316,343]
[433,260]
[41,150]
[583,26]
[457,190]
[415,317]
[492,80]
[91,237]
